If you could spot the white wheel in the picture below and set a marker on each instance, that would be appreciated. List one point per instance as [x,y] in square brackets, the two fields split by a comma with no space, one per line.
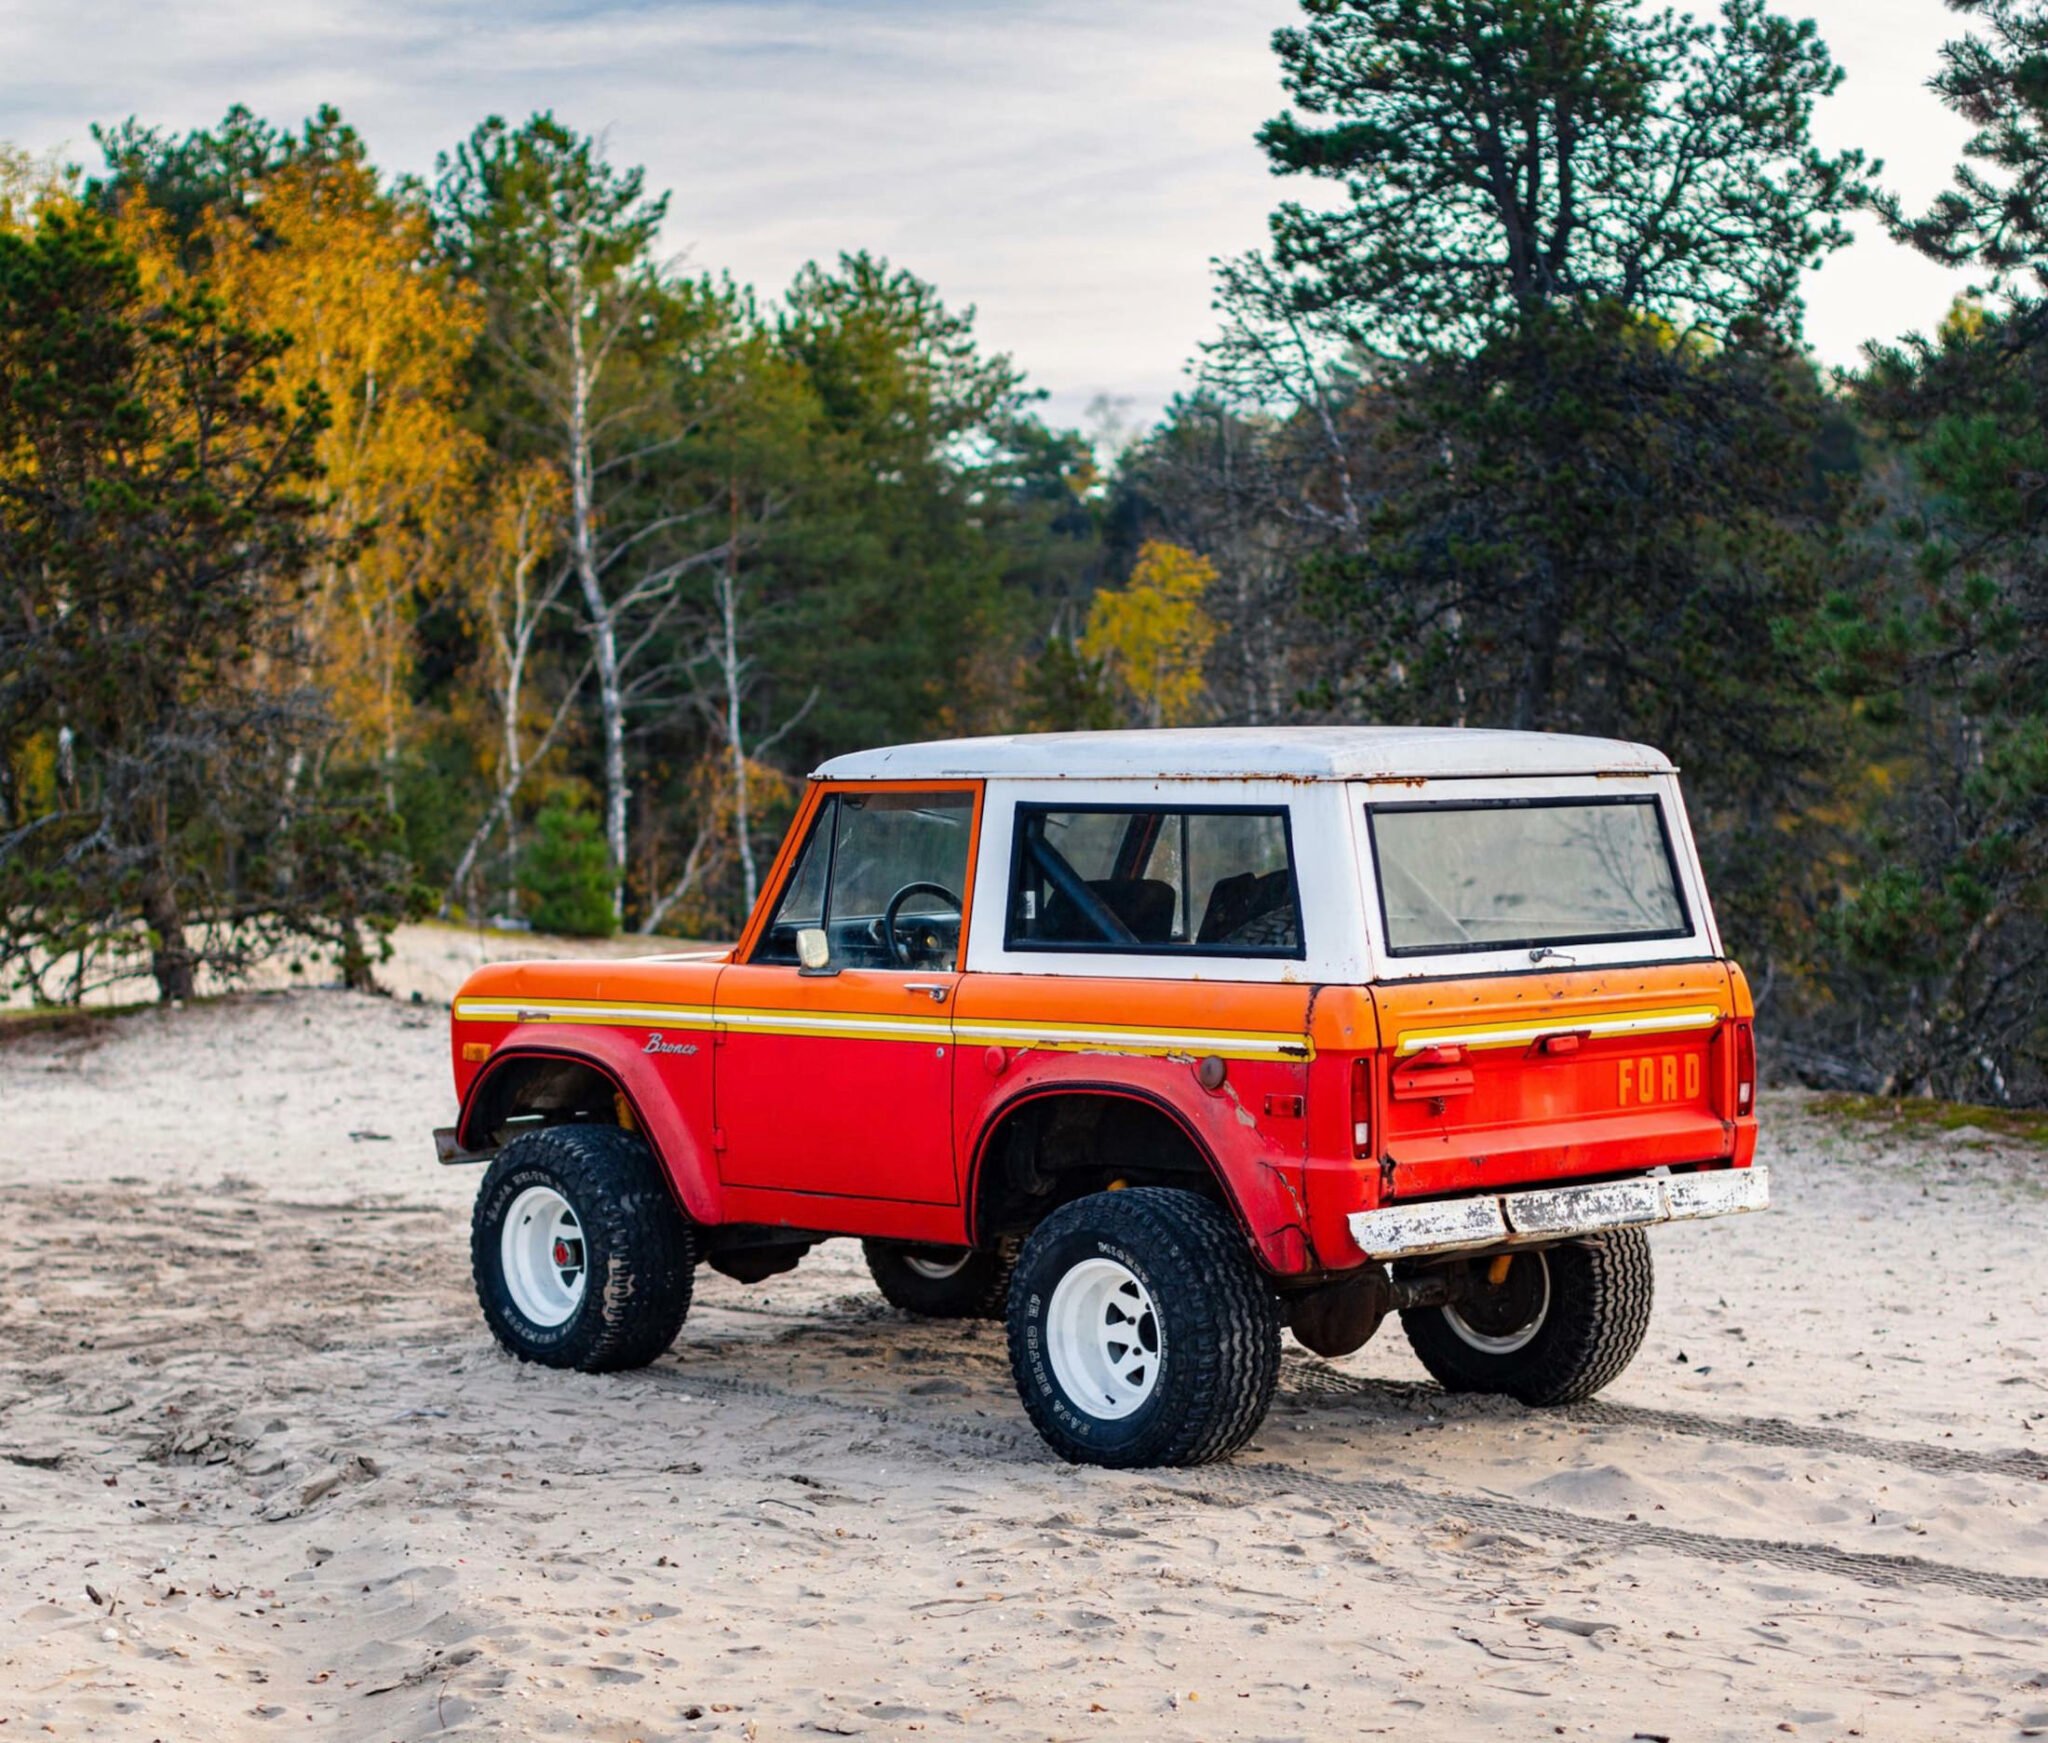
[1142,1331]
[1102,1336]
[1506,1318]
[542,1256]
[581,1256]
[938,1270]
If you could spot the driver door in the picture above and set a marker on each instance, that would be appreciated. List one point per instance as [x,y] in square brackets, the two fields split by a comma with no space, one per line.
[839,1080]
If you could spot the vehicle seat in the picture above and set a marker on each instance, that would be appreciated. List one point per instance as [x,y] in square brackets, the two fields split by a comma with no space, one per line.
[1145,905]
[1235,903]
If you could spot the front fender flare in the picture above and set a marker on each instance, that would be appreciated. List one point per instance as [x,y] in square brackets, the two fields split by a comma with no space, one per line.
[684,1156]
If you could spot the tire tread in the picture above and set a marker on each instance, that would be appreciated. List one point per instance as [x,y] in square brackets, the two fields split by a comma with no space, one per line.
[980,1291]
[1222,1384]
[650,1248]
[1602,1290]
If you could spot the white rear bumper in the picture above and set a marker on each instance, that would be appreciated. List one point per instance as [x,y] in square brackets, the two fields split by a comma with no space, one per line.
[1553,1213]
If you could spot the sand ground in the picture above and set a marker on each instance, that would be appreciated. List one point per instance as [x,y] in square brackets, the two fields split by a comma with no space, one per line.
[262,1473]
[428,961]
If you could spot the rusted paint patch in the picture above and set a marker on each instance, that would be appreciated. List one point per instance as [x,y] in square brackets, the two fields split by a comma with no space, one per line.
[1610,1204]
[1244,1114]
[1547,1214]
[1443,1226]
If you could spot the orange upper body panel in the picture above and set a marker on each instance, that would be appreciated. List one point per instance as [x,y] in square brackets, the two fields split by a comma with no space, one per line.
[649,995]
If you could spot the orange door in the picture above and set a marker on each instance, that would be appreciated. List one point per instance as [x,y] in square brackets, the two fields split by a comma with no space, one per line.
[837,1078]
[841,1084]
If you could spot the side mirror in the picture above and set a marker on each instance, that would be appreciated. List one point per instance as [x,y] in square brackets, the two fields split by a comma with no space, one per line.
[814,950]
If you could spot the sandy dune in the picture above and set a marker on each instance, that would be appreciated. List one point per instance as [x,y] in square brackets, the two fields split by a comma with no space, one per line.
[427,961]
[263,1474]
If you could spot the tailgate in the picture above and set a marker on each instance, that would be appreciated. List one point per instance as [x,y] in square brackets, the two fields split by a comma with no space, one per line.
[1509,1079]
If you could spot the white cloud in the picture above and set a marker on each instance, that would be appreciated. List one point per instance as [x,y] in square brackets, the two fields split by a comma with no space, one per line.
[1068,167]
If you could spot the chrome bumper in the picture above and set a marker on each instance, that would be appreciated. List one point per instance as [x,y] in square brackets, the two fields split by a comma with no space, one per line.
[1555,1213]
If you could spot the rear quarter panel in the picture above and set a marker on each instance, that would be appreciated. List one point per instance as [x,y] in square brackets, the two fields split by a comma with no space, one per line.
[1025,1035]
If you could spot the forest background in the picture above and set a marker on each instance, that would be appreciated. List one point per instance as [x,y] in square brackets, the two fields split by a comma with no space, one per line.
[375,547]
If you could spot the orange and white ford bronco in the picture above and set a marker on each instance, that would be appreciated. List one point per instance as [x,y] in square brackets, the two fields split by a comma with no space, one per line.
[1150,1043]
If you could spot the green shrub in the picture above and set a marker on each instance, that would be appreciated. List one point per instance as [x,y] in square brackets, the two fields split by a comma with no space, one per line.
[565,878]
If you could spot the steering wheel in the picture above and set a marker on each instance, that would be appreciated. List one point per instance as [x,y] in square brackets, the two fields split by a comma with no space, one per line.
[899,951]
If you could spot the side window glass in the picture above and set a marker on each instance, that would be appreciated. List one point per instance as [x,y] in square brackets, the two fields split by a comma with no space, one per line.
[1243,877]
[881,875]
[899,869]
[1216,881]
[803,901]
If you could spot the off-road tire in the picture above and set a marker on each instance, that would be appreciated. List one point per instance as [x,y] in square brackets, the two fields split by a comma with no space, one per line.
[978,1289]
[1219,1336]
[1599,1309]
[640,1252]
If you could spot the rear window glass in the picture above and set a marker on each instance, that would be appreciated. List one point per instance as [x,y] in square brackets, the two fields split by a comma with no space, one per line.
[1527,873]
[1213,881]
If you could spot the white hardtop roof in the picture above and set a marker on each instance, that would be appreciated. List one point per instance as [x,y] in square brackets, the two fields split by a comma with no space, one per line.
[1316,753]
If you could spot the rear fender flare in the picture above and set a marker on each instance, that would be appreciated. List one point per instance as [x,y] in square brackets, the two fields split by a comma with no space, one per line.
[692,1174]
[1265,1211]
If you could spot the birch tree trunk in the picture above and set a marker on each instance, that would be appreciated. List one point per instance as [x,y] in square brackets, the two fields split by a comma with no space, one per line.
[732,673]
[580,318]
[604,627]
[515,610]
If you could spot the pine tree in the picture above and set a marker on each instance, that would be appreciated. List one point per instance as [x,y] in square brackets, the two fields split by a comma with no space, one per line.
[1944,932]
[157,531]
[1563,465]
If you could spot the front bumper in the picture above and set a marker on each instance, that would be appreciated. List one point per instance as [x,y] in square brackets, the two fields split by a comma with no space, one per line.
[1555,1213]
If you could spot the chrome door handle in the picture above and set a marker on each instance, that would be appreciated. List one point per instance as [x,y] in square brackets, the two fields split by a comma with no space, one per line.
[935,989]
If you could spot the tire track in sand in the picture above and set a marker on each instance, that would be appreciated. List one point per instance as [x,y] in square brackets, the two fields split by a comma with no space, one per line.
[1253,1479]
[1772,1431]
[1304,1374]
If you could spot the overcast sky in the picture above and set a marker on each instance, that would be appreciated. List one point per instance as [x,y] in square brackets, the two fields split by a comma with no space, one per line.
[1068,166]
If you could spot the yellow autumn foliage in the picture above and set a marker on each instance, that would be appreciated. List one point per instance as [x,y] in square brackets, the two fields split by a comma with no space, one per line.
[30,185]
[1153,635]
[330,259]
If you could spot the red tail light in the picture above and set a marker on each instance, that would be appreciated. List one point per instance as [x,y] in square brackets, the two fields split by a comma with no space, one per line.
[1361,1107]
[1745,1070]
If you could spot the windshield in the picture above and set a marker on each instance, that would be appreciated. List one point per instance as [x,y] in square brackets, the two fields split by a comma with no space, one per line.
[1508,873]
